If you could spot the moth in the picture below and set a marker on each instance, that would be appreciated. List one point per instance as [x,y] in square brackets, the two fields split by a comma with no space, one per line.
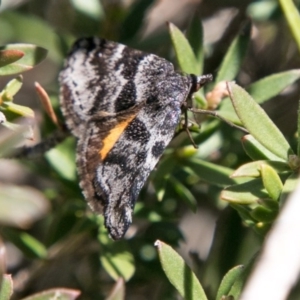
[123,106]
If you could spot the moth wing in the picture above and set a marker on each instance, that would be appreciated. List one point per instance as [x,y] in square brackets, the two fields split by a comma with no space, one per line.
[84,80]
[122,171]
[123,106]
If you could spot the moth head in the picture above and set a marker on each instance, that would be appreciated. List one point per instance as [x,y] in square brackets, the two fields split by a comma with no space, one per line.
[199,81]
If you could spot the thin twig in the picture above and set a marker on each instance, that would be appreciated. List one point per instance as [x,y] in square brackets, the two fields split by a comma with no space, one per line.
[39,149]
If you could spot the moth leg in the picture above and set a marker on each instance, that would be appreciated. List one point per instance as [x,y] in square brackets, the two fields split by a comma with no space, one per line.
[187,129]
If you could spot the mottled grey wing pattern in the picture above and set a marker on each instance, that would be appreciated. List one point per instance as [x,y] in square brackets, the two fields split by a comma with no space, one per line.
[123,105]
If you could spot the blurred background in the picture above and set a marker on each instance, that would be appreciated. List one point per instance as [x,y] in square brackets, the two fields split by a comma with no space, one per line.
[52,239]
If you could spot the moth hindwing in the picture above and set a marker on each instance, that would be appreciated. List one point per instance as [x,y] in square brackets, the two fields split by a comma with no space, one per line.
[123,106]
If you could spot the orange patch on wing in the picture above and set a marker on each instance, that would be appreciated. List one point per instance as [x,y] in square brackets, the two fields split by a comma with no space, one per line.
[113,136]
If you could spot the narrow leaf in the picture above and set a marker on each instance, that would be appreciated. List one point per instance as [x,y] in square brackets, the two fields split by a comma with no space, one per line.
[246,193]
[195,38]
[256,151]
[245,213]
[11,89]
[117,261]
[263,214]
[271,181]
[18,110]
[46,102]
[3,260]
[292,16]
[62,159]
[258,123]
[270,86]
[184,53]
[9,140]
[228,281]
[10,56]
[55,294]
[179,274]
[118,264]
[21,205]
[90,8]
[164,170]
[209,172]
[134,19]
[253,169]
[184,193]
[288,187]
[118,291]
[28,244]
[6,288]
[232,61]
[238,285]
[298,130]
[33,56]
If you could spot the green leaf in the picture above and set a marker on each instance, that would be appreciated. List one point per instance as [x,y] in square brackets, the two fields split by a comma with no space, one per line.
[33,56]
[55,294]
[91,8]
[133,21]
[262,11]
[256,151]
[118,264]
[228,281]
[271,181]
[184,193]
[263,214]
[3,261]
[258,123]
[253,169]
[246,193]
[160,177]
[21,205]
[238,285]
[62,159]
[245,213]
[117,261]
[186,151]
[291,14]
[11,89]
[179,274]
[18,110]
[10,56]
[195,38]
[209,172]
[270,86]
[288,187]
[118,291]
[6,289]
[32,29]
[232,61]
[29,245]
[9,140]
[298,130]
[184,53]
[228,113]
